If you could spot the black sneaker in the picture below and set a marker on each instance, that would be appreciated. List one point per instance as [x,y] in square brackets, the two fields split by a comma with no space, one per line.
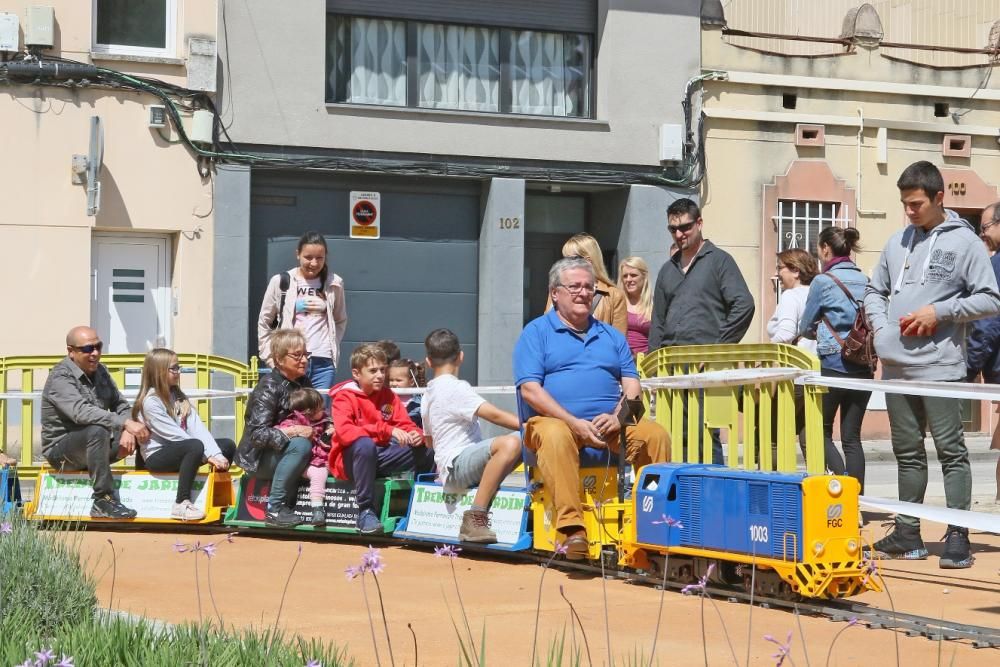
[957,552]
[318,517]
[108,507]
[368,523]
[904,543]
[281,518]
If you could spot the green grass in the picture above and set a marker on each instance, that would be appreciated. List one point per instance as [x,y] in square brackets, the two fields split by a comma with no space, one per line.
[48,601]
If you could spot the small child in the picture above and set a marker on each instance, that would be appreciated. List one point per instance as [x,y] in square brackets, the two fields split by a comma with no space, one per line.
[374,436]
[451,412]
[407,374]
[307,407]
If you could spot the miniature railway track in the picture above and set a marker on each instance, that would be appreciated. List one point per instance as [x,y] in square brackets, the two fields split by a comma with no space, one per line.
[935,629]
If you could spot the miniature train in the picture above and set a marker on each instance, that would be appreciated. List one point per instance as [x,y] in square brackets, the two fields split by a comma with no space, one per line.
[799,532]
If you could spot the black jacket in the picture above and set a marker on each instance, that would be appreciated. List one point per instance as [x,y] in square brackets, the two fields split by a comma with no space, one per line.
[709,304]
[267,407]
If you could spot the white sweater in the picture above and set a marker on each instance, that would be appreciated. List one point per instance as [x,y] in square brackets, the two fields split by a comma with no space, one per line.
[165,429]
[783,327]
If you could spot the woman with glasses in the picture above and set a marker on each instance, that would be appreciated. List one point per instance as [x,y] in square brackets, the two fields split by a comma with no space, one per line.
[178,440]
[270,451]
[309,298]
[609,305]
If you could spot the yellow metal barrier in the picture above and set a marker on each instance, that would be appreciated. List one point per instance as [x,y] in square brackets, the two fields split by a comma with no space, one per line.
[204,365]
[750,405]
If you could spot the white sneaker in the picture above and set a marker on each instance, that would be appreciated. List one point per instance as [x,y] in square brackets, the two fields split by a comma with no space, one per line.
[186,511]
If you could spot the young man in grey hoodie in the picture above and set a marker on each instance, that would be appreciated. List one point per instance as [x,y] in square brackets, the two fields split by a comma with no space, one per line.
[933,277]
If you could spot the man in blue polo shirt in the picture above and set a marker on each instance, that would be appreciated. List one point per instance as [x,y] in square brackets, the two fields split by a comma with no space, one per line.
[572,370]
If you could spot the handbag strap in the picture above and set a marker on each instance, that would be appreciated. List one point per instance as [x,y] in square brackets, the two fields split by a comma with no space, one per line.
[850,296]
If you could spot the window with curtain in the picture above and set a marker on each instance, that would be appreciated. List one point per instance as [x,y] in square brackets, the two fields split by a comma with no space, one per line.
[549,73]
[369,57]
[458,67]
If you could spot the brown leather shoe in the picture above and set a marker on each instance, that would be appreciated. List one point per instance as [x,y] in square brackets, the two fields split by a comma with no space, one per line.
[577,545]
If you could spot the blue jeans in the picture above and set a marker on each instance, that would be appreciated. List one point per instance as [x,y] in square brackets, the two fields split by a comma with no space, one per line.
[321,373]
[285,471]
[364,461]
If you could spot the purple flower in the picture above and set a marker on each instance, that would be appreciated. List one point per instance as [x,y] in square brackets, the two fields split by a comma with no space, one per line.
[43,657]
[67,661]
[783,649]
[561,548]
[371,561]
[314,663]
[447,550]
[209,550]
[702,583]
[670,522]
[6,528]
[180,547]
[27,663]
[229,537]
[870,568]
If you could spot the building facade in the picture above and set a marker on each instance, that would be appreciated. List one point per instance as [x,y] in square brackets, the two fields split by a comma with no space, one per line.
[818,107]
[484,134]
[128,261]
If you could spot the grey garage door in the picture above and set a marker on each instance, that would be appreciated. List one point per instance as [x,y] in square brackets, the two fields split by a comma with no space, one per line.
[421,274]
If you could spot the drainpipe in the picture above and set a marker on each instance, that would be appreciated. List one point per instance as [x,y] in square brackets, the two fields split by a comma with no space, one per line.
[858,211]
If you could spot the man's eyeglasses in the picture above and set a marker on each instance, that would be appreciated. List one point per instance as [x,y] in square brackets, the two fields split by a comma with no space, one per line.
[683,228]
[299,356]
[175,369]
[89,349]
[986,226]
[577,289]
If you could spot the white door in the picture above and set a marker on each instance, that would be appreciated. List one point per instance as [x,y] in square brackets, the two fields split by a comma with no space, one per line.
[131,299]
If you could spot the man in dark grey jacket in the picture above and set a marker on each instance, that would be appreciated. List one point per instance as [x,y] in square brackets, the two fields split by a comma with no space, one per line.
[700,296]
[85,421]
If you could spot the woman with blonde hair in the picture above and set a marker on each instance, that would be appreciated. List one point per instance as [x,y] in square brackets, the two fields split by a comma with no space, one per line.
[610,304]
[633,280]
[178,439]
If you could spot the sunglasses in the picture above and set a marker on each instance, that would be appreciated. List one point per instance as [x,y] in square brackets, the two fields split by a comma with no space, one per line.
[88,349]
[683,229]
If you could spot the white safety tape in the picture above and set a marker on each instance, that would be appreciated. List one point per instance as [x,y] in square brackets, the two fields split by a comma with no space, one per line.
[200,394]
[988,523]
[968,390]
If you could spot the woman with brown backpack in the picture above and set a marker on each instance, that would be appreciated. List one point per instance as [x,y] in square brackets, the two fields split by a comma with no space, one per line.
[832,315]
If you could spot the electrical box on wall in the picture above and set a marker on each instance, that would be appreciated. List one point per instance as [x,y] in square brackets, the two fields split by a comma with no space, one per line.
[157,115]
[39,27]
[9,25]
[671,142]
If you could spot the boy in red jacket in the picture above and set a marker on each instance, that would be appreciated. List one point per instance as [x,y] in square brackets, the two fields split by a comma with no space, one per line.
[373,434]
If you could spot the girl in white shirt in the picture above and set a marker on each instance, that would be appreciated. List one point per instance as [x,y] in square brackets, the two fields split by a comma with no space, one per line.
[178,439]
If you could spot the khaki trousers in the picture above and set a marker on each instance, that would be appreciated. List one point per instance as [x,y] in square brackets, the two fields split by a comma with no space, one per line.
[558,454]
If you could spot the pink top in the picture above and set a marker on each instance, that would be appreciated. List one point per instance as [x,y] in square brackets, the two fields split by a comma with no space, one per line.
[637,333]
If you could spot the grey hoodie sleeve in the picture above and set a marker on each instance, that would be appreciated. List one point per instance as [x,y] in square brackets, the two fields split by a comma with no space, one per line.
[877,293]
[983,298]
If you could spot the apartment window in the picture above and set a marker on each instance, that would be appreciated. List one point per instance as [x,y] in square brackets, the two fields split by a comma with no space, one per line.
[136,27]
[799,223]
[458,67]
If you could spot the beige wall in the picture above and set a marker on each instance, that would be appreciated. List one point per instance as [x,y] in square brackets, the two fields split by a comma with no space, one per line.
[148,185]
[903,21]
[644,57]
[750,141]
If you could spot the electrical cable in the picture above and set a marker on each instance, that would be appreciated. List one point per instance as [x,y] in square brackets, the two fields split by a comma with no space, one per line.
[222,149]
